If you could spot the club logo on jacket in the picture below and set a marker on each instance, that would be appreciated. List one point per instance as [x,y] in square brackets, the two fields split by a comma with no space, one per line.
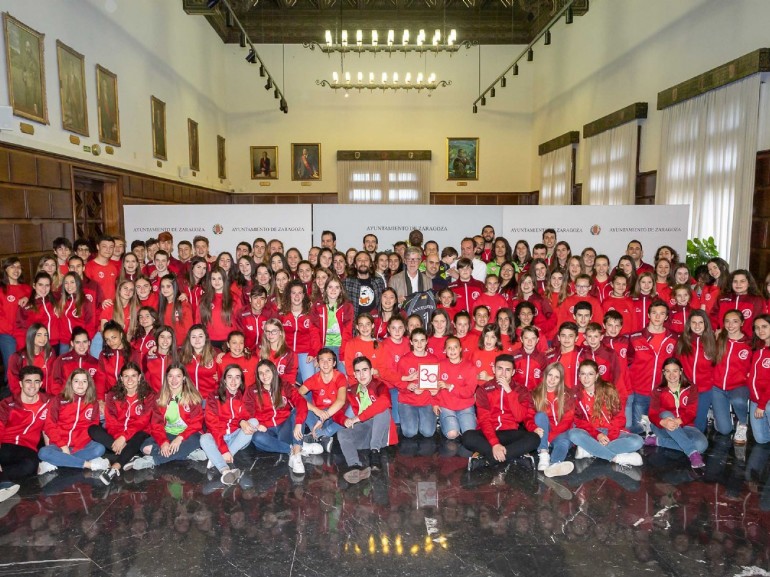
[602,369]
[766,363]
[670,348]
[747,313]
[281,369]
[92,371]
[89,297]
[139,409]
[186,408]
[537,373]
[743,355]
[444,377]
[10,299]
[100,274]
[89,413]
[475,294]
[685,398]
[306,324]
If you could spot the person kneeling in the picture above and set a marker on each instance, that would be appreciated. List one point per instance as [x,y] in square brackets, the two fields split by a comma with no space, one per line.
[501,409]
[368,424]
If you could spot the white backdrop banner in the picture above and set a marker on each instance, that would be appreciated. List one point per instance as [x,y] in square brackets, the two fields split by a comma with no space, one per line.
[608,229]
[225,225]
[447,225]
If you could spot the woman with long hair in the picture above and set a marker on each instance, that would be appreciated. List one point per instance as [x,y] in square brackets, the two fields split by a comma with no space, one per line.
[561,255]
[301,326]
[505,321]
[37,352]
[415,405]
[508,284]
[244,278]
[335,313]
[144,336]
[281,279]
[574,269]
[744,296]
[176,423]
[13,295]
[541,275]
[599,421]
[587,260]
[697,351]
[553,419]
[502,253]
[439,329]
[544,317]
[455,402]
[719,285]
[664,281]
[116,352]
[489,347]
[363,344]
[673,407]
[127,414]
[381,266]
[642,297]
[155,363]
[273,348]
[40,308]
[145,296]
[321,276]
[226,418]
[198,356]
[66,426]
[198,269]
[130,269]
[293,258]
[122,310]
[759,380]
[730,390]
[627,268]
[522,256]
[395,264]
[47,263]
[74,310]
[227,265]
[172,311]
[340,265]
[218,308]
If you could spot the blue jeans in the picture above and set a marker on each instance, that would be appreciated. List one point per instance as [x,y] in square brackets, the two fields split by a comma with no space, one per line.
[328,429]
[640,405]
[417,420]
[276,439]
[625,443]
[188,446]
[704,404]
[7,348]
[54,455]
[96,344]
[560,444]
[394,406]
[457,421]
[760,427]
[722,400]
[236,441]
[305,370]
[689,440]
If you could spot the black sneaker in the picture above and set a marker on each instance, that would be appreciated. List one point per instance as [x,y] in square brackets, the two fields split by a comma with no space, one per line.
[375,459]
[109,475]
[526,462]
[477,461]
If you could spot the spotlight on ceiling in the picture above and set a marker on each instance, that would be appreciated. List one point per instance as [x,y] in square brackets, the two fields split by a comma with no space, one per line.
[475,109]
[483,100]
[251,57]
[503,82]
[530,55]
[547,40]
[261,70]
[269,84]
[515,69]
[568,18]
[492,93]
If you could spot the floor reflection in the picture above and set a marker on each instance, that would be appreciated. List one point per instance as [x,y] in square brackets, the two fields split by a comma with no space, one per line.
[423,514]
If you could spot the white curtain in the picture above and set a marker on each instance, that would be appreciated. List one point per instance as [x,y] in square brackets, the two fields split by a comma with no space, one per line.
[383,181]
[609,175]
[556,177]
[708,156]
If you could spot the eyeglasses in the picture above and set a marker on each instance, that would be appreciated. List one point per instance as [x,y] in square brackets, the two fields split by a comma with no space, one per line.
[273,332]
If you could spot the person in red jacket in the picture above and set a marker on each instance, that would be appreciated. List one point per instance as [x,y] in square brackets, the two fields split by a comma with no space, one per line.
[78,357]
[199,359]
[328,387]
[680,308]
[127,413]
[37,352]
[618,301]
[759,381]
[13,294]
[154,364]
[599,420]
[237,354]
[457,383]
[218,308]
[554,415]
[176,422]
[251,319]
[173,312]
[225,410]
[502,409]
[116,352]
[744,296]
[277,416]
[467,288]
[301,326]
[528,361]
[416,404]
[74,310]
[491,298]
[40,308]
[363,344]
[69,417]
[368,424]
[567,311]
[697,350]
[672,415]
[335,314]
[565,352]
[22,418]
[730,390]
[385,359]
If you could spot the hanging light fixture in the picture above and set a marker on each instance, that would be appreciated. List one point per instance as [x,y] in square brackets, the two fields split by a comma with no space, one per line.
[503,82]
[530,55]
[421,45]
[547,38]
[410,82]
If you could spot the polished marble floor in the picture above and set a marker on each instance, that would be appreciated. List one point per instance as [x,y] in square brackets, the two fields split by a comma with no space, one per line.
[422,515]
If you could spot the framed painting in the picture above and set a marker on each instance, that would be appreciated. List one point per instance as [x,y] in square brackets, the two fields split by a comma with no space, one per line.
[221,158]
[306,162]
[462,158]
[72,89]
[158,112]
[192,137]
[26,70]
[264,162]
[107,106]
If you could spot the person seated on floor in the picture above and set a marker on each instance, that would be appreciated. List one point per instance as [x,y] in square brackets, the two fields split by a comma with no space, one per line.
[554,416]
[416,404]
[127,413]
[277,414]
[22,418]
[599,420]
[502,408]
[328,398]
[176,423]
[368,422]
[673,407]
[457,382]
[66,426]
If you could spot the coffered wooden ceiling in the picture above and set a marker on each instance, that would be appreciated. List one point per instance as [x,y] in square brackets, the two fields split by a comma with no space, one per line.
[301,21]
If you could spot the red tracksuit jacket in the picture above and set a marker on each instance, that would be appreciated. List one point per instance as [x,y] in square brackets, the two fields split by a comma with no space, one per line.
[528,368]
[268,414]
[759,377]
[22,424]
[345,319]
[664,400]
[497,410]
[733,370]
[379,395]
[409,365]
[698,368]
[68,421]
[127,417]
[19,360]
[192,415]
[224,417]
[204,377]
[645,363]
[303,333]
[462,376]
[613,422]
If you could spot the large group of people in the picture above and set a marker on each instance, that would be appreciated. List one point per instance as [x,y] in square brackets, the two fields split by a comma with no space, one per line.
[120,357]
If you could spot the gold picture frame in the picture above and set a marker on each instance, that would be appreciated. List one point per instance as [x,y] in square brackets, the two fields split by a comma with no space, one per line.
[305,161]
[72,89]
[108,110]
[158,115]
[264,162]
[221,157]
[193,145]
[462,157]
[25,65]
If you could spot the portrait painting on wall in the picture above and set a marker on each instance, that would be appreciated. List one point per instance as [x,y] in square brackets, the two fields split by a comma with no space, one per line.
[264,162]
[221,158]
[462,158]
[306,161]
[158,111]
[26,70]
[72,89]
[107,106]
[192,135]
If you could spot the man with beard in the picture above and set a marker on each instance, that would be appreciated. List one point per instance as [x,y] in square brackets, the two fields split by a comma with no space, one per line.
[488,234]
[365,288]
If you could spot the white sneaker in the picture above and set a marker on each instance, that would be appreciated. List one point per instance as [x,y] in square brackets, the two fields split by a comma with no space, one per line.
[45,467]
[739,438]
[146,462]
[644,423]
[581,453]
[311,449]
[296,465]
[8,490]
[543,460]
[99,464]
[130,465]
[230,476]
[628,459]
[197,455]
[209,465]
[559,469]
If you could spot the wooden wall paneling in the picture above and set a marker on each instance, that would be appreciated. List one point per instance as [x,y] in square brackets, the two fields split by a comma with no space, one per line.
[38,203]
[49,231]
[14,204]
[5,167]
[7,244]
[49,173]
[23,168]
[27,237]
[61,204]
[759,257]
